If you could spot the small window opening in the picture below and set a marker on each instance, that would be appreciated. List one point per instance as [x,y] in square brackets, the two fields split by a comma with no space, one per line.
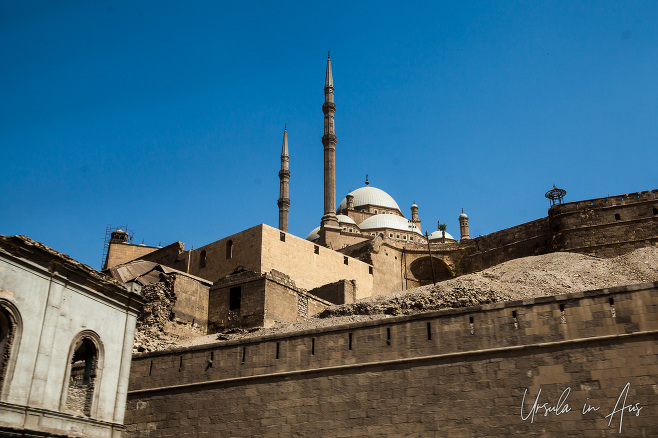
[563,315]
[317,249]
[349,341]
[388,336]
[613,312]
[244,354]
[151,368]
[84,364]
[370,270]
[229,250]
[345,260]
[655,211]
[277,350]
[202,259]
[429,331]
[235,297]
[617,217]
[472,324]
[282,236]
[212,359]
[312,346]
[180,364]
[515,321]
[390,235]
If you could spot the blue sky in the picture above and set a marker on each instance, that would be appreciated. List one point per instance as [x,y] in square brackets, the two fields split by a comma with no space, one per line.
[168,116]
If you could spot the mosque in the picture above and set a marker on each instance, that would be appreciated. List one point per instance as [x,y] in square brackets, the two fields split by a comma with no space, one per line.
[366,246]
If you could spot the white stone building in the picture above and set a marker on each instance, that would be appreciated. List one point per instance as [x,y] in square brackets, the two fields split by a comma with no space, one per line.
[66,335]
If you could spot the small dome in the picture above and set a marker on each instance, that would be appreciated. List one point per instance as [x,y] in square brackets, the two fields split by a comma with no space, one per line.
[414,206]
[342,219]
[314,235]
[370,195]
[438,235]
[463,215]
[389,221]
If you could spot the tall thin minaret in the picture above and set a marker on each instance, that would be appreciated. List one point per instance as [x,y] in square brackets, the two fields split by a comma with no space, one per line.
[284,176]
[329,142]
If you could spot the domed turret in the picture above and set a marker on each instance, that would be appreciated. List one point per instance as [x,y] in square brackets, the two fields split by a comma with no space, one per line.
[118,236]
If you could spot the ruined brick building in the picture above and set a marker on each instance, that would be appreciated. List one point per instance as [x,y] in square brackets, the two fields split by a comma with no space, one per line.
[366,246]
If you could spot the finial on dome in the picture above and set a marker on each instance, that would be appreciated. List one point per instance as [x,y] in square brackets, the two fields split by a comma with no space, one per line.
[367,182]
[328,54]
[285,126]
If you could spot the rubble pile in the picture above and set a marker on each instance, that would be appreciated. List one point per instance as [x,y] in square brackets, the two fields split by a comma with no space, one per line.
[153,332]
[536,276]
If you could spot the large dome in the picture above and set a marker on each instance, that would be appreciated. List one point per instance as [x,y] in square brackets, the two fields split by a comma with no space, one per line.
[369,195]
[389,221]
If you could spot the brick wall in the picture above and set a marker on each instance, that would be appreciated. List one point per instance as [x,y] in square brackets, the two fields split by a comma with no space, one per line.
[457,372]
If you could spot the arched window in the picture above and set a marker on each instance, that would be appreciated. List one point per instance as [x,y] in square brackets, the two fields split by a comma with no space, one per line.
[202,259]
[10,334]
[229,250]
[84,368]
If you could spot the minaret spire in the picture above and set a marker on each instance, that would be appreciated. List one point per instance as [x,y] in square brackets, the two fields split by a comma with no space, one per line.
[284,176]
[329,142]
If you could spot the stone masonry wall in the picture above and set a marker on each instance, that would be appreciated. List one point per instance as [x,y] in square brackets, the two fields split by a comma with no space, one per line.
[252,302]
[119,253]
[245,253]
[191,301]
[265,299]
[606,227]
[495,370]
[340,292]
[310,265]
[530,238]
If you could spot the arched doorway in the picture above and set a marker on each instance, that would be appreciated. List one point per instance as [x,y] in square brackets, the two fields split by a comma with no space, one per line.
[421,269]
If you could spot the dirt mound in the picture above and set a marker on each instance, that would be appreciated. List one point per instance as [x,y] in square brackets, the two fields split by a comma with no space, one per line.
[549,274]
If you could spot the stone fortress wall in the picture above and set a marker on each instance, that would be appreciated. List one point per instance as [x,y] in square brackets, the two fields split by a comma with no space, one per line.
[604,227]
[461,372]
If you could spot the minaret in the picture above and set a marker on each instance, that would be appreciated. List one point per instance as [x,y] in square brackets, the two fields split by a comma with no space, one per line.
[329,142]
[463,226]
[284,176]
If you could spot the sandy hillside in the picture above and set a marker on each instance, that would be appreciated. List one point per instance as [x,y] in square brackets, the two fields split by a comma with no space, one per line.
[548,274]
